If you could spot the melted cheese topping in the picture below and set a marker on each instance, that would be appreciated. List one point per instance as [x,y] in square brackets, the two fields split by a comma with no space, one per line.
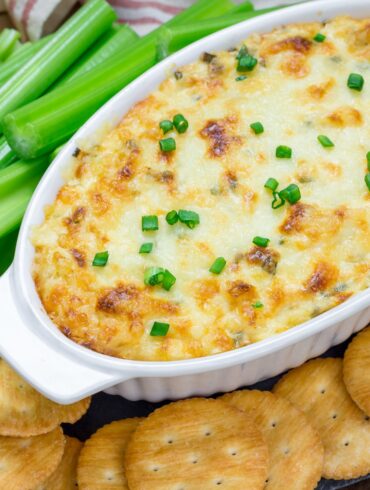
[318,254]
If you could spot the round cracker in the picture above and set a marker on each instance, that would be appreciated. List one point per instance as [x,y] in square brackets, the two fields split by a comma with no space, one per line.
[196,443]
[25,462]
[295,448]
[317,388]
[64,477]
[101,460]
[356,370]
[24,412]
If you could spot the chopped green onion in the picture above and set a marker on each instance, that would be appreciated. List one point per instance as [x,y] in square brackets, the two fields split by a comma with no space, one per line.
[159,329]
[257,304]
[283,152]
[319,38]
[325,141]
[271,184]
[168,144]
[172,217]
[190,218]
[153,276]
[367,180]
[246,63]
[278,201]
[8,41]
[368,160]
[243,51]
[261,241]
[240,78]
[257,127]
[218,266]
[100,259]
[166,126]
[168,280]
[149,223]
[356,82]
[292,194]
[146,248]
[180,123]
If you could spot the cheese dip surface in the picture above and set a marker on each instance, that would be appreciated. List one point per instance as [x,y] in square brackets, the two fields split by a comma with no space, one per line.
[230,205]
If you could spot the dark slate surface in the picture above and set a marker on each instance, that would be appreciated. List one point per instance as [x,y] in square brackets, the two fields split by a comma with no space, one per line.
[106,408]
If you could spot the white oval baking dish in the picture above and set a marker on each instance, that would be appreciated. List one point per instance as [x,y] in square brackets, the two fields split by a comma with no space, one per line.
[65,371]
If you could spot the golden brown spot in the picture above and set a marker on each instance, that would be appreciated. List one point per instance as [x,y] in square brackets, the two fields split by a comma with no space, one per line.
[79,257]
[241,288]
[216,133]
[344,117]
[295,218]
[296,43]
[318,92]
[115,300]
[100,204]
[324,275]
[126,172]
[67,195]
[232,179]
[205,290]
[295,65]
[265,257]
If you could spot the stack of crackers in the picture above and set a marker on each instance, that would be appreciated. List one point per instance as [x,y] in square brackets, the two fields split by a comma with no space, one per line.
[315,423]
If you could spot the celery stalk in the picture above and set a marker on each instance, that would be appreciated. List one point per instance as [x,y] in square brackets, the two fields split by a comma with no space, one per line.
[66,45]
[115,41]
[18,59]
[243,7]
[14,204]
[7,155]
[44,124]
[8,41]
[7,248]
[14,176]
[181,36]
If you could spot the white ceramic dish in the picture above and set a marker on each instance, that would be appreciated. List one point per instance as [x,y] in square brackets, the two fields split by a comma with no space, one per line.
[65,371]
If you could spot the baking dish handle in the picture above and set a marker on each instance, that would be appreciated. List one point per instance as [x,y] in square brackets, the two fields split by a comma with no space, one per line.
[54,374]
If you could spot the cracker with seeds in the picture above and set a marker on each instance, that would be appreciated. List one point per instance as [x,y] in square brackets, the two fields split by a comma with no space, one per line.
[26,462]
[317,388]
[295,448]
[356,370]
[24,412]
[101,461]
[64,477]
[196,444]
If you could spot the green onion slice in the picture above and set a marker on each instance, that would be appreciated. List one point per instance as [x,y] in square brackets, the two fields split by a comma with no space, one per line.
[172,217]
[240,78]
[166,126]
[189,218]
[168,280]
[325,141]
[153,276]
[167,144]
[257,304]
[180,123]
[159,329]
[292,194]
[218,265]
[149,223]
[278,201]
[367,180]
[246,63]
[261,241]
[271,184]
[243,51]
[368,160]
[356,82]
[319,38]
[146,248]
[283,152]
[100,259]
[257,127]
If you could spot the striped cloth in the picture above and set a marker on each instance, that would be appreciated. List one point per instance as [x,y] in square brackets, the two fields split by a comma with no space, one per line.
[35,18]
